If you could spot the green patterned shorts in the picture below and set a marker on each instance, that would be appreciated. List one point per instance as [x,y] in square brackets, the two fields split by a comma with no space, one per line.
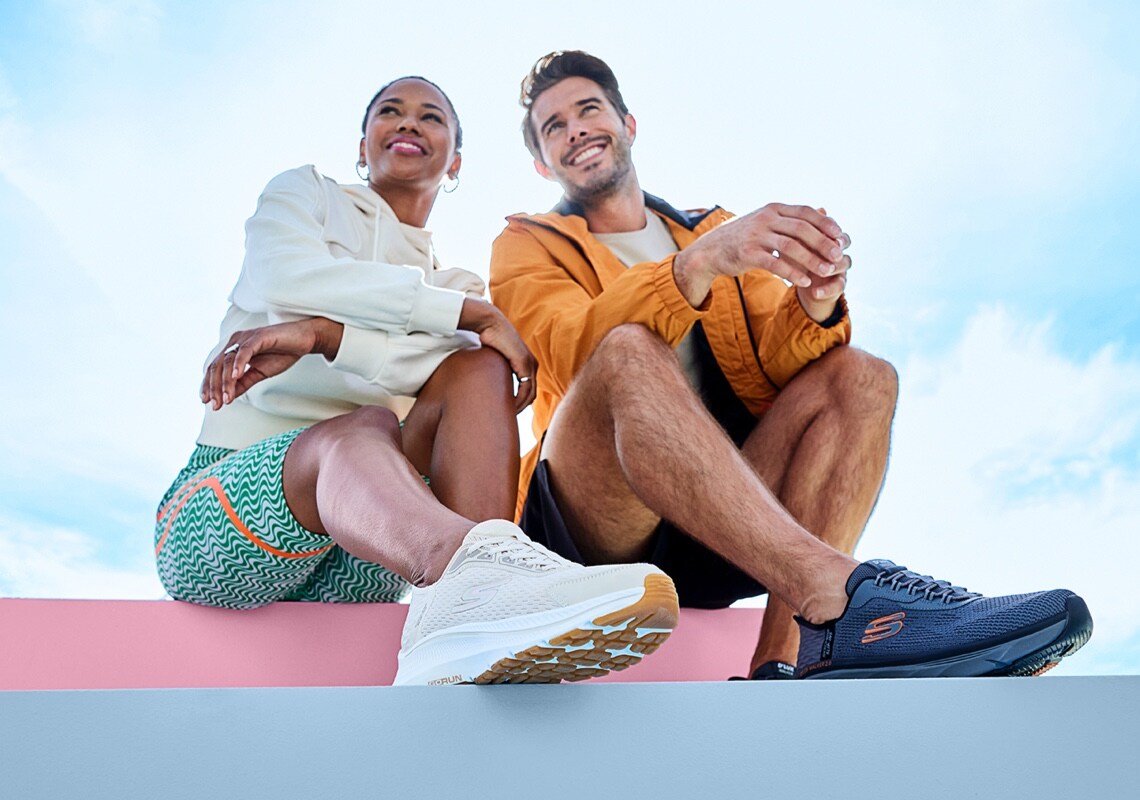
[225,537]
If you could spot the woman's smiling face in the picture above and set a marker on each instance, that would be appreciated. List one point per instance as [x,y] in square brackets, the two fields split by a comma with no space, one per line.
[409,138]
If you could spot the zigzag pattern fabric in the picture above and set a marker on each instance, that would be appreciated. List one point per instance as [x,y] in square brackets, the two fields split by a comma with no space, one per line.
[225,537]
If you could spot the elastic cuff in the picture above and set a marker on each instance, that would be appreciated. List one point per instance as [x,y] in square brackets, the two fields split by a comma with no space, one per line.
[837,315]
[435,310]
[670,293]
[362,352]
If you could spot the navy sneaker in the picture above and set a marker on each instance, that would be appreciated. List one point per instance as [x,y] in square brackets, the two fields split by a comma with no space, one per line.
[899,624]
[769,671]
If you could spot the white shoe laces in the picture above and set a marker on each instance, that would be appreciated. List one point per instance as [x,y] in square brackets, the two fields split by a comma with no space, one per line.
[512,550]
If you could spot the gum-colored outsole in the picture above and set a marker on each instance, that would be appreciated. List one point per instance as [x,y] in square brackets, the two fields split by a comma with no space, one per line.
[612,642]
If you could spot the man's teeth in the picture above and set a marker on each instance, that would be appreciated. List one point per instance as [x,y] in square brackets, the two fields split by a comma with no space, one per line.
[589,152]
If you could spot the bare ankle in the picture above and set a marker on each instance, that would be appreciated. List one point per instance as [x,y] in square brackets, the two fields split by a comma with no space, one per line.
[438,553]
[829,600]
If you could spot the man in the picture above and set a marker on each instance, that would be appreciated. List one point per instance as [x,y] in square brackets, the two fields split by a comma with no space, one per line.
[698,412]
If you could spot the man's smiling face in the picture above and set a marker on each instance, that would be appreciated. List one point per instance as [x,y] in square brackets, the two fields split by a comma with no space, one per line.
[584,142]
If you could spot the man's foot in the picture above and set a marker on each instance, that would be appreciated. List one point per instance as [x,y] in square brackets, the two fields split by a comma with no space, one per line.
[507,610]
[899,624]
[769,671]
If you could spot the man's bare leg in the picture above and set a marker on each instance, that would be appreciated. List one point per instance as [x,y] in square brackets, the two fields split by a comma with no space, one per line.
[631,443]
[822,450]
[349,477]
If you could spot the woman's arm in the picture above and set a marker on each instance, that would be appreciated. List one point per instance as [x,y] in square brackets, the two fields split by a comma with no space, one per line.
[251,356]
[289,269]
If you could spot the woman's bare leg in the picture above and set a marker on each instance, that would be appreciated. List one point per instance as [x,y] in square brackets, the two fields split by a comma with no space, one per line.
[462,433]
[349,477]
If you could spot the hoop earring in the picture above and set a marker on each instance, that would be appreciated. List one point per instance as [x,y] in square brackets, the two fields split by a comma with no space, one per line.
[367,172]
[451,184]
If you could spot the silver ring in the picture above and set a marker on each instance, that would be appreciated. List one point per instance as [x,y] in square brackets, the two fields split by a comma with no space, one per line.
[233,348]
[524,378]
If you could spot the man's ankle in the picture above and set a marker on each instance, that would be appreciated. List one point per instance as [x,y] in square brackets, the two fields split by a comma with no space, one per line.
[829,599]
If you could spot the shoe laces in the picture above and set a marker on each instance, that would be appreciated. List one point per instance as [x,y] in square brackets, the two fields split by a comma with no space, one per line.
[928,587]
[511,550]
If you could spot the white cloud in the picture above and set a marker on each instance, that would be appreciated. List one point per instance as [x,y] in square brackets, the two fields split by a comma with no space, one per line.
[50,561]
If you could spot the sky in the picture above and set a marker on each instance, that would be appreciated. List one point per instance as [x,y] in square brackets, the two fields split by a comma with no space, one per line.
[981,155]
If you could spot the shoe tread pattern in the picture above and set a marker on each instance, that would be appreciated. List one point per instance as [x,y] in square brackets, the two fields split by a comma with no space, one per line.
[582,653]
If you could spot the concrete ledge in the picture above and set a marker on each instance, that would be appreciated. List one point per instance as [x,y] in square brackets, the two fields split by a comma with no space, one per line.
[134,644]
[953,738]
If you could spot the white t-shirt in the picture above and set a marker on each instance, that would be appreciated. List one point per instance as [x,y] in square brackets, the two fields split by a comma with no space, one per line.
[652,243]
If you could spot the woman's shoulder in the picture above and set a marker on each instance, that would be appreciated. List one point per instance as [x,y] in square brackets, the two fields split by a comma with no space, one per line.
[306,186]
[305,178]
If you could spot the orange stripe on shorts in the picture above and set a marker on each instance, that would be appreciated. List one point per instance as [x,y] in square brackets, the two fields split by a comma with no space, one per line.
[190,489]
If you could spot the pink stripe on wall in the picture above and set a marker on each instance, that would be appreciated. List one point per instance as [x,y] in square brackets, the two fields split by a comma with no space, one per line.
[137,644]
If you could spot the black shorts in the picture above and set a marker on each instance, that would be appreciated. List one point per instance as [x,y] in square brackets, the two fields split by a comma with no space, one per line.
[703,579]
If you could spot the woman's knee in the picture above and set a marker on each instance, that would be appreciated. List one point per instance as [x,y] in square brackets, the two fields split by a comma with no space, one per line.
[471,373]
[486,362]
[364,420]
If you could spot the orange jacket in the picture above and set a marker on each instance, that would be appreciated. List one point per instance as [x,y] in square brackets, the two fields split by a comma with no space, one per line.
[564,290]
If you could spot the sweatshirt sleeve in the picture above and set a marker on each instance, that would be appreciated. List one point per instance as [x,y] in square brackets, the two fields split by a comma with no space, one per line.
[400,364]
[289,269]
[562,317]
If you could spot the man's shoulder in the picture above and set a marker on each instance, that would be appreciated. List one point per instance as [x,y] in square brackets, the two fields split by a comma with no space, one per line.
[564,224]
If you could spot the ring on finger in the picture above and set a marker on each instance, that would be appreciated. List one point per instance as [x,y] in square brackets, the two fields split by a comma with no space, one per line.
[233,348]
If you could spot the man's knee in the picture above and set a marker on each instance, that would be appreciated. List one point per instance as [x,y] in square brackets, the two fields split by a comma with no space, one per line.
[630,346]
[856,373]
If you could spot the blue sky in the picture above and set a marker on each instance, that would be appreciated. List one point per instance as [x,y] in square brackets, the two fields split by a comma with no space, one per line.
[983,157]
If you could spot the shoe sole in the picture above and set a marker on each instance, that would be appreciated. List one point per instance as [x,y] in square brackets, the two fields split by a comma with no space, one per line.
[596,645]
[1072,638]
[1046,648]
[610,643]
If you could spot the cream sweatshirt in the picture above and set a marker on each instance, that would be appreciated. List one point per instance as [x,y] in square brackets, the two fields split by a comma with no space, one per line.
[317,248]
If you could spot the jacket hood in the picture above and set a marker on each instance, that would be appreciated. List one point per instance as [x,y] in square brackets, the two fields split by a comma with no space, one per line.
[686,219]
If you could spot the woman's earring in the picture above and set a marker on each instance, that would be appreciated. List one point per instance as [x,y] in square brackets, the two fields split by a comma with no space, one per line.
[366,174]
[451,184]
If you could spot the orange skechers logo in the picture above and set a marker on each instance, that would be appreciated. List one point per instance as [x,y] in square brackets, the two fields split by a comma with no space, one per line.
[883,628]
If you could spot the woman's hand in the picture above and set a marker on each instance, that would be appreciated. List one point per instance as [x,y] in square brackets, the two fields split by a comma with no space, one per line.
[496,331]
[259,353]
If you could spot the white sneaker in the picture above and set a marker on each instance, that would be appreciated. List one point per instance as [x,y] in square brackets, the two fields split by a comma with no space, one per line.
[507,610]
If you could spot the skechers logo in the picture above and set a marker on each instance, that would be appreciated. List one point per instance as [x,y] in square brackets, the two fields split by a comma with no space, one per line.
[475,596]
[883,628]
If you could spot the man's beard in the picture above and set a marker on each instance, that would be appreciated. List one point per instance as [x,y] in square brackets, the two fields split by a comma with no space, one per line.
[600,187]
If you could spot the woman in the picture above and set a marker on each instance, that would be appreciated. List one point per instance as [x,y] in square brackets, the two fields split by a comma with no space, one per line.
[311,476]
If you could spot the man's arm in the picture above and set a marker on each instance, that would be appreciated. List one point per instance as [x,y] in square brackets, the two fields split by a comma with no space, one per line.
[785,324]
[797,243]
[561,310]
[787,338]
